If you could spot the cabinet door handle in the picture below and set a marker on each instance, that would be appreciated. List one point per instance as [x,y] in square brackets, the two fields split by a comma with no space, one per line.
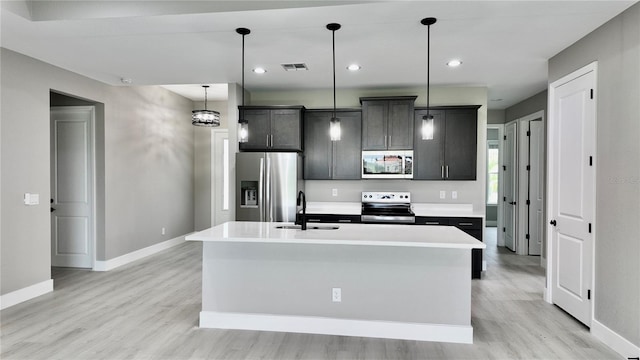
[344,220]
[447,171]
[432,223]
[313,220]
[389,140]
[271,140]
[465,224]
[442,172]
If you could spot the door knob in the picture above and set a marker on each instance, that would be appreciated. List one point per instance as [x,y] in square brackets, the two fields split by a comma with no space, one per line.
[552,222]
[512,203]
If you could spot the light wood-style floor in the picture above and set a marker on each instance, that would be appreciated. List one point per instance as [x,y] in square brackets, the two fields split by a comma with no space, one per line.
[149,310]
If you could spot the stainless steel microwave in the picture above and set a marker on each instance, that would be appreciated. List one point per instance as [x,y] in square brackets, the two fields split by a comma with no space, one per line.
[387,164]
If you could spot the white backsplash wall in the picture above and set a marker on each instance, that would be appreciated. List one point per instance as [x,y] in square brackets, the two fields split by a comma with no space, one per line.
[421,191]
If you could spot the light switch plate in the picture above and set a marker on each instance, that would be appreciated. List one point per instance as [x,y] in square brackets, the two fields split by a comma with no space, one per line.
[334,192]
[443,194]
[31,199]
[454,194]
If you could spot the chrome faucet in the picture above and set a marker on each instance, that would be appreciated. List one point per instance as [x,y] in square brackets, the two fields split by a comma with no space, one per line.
[302,200]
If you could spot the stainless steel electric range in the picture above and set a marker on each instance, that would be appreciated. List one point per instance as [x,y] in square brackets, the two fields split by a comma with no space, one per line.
[387,207]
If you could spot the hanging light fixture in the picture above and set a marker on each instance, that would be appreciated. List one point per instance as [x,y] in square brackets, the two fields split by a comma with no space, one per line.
[427,120]
[243,124]
[334,124]
[208,118]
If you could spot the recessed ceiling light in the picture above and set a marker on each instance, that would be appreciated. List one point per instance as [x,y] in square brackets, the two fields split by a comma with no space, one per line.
[454,63]
[259,70]
[497,99]
[354,67]
[126,80]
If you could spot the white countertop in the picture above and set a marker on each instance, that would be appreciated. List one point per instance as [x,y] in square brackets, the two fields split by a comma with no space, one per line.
[347,234]
[420,209]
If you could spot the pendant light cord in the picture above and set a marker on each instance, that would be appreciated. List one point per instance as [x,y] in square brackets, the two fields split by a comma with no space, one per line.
[333,27]
[243,35]
[428,66]
[333,39]
[428,22]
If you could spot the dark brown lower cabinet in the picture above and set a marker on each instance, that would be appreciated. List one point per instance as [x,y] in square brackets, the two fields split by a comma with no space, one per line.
[470,225]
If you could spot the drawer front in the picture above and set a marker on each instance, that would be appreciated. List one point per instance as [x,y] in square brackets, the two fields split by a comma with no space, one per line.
[431,220]
[330,218]
[466,223]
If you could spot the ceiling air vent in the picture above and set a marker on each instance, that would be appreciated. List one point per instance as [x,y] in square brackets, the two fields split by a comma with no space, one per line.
[295,67]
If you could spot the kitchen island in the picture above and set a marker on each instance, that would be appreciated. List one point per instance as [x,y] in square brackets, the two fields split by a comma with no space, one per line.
[358,280]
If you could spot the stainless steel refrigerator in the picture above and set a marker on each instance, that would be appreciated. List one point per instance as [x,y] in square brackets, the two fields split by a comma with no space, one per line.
[267,185]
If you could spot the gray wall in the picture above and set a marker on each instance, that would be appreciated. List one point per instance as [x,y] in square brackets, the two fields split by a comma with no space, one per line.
[527,107]
[496,116]
[469,192]
[144,175]
[616,47]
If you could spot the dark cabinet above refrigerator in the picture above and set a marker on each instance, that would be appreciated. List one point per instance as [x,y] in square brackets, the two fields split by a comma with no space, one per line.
[272,128]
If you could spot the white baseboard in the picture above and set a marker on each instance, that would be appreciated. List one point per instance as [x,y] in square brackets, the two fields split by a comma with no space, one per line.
[612,339]
[333,326]
[24,294]
[137,255]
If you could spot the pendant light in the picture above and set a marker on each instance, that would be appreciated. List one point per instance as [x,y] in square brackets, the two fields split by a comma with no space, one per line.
[243,124]
[334,124]
[208,118]
[427,120]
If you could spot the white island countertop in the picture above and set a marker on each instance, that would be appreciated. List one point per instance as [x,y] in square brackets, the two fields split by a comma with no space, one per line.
[347,234]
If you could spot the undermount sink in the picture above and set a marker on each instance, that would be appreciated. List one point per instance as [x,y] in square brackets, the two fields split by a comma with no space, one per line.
[312,227]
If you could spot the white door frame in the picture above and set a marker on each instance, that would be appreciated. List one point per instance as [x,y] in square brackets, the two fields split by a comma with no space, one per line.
[522,248]
[92,173]
[215,132]
[500,128]
[515,164]
[548,291]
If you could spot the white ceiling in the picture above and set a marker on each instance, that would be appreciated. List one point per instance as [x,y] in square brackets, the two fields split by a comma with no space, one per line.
[504,45]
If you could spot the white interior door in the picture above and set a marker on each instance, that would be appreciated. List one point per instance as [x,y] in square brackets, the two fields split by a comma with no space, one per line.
[72,186]
[510,168]
[571,181]
[536,186]
[220,177]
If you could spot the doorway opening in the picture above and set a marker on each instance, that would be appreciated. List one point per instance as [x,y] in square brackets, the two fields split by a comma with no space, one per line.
[524,171]
[75,181]
[494,178]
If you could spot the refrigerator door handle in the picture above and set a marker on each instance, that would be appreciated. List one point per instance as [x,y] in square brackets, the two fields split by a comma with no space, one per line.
[261,190]
[268,204]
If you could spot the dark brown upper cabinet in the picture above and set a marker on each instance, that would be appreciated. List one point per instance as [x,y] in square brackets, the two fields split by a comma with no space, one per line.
[273,128]
[452,153]
[325,159]
[387,122]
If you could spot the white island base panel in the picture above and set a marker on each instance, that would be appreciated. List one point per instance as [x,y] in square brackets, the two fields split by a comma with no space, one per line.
[283,280]
[333,326]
